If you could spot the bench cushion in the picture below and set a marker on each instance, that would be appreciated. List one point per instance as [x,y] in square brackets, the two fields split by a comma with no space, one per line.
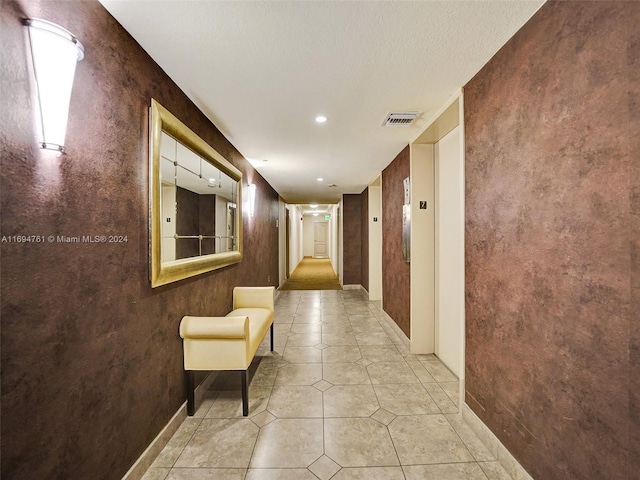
[224,343]
[260,319]
[219,327]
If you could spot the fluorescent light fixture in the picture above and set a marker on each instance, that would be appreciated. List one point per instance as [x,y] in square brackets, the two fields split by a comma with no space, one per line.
[320,179]
[55,52]
[321,119]
[252,198]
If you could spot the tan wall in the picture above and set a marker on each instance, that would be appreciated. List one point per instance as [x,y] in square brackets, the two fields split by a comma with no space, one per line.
[449,180]
[375,242]
[364,226]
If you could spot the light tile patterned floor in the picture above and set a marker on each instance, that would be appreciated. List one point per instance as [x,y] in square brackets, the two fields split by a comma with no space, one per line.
[341,398]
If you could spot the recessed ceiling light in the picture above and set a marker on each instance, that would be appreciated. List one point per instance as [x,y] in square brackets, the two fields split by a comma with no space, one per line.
[321,119]
[320,179]
[314,205]
[316,214]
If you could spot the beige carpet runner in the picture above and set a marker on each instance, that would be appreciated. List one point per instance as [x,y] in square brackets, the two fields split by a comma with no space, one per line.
[313,274]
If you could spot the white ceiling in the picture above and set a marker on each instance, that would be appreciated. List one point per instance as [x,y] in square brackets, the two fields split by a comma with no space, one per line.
[263,70]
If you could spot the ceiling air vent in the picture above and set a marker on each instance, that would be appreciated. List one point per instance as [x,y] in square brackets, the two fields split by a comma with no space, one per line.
[399,119]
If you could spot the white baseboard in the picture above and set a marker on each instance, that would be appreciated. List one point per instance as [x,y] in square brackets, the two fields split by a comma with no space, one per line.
[363,290]
[140,467]
[396,329]
[494,445]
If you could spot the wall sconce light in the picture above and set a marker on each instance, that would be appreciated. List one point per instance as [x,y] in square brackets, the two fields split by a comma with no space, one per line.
[55,52]
[252,198]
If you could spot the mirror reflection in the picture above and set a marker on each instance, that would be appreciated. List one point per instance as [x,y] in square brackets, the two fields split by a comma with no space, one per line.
[195,203]
[198,206]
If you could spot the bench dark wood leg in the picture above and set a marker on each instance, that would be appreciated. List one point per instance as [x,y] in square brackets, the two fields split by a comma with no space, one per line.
[272,337]
[191,393]
[245,393]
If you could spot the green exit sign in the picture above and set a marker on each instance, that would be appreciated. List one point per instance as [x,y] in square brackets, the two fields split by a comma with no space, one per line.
[327,217]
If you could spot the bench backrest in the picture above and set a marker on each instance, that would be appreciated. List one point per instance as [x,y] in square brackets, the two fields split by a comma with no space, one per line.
[253,297]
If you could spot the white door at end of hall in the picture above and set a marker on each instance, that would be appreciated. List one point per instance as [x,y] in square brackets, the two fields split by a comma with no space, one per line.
[320,234]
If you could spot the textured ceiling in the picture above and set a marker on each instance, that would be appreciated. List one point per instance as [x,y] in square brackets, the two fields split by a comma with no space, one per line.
[262,72]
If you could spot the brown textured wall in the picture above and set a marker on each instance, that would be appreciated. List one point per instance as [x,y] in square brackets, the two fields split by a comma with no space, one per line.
[549,179]
[396,276]
[91,357]
[352,241]
[364,222]
[187,222]
[633,54]
[207,222]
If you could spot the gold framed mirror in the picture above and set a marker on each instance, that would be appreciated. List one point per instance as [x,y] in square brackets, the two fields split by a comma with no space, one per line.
[195,204]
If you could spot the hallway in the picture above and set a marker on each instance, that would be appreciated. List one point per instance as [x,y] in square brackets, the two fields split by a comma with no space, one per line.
[313,274]
[341,398]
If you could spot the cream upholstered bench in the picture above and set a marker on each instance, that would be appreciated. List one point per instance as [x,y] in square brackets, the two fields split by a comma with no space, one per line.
[229,342]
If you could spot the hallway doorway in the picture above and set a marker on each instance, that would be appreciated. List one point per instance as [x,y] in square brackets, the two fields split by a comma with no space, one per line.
[320,239]
[437,238]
